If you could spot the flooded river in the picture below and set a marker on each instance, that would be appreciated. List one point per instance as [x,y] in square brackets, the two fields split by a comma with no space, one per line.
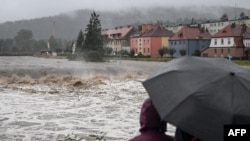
[47,99]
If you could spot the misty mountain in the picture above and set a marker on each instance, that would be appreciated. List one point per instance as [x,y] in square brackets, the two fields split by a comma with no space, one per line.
[68,25]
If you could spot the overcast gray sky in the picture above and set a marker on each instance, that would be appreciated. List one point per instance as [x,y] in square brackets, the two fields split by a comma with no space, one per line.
[12,10]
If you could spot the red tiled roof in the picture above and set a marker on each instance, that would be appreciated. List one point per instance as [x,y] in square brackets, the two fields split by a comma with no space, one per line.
[188,32]
[117,33]
[158,31]
[233,30]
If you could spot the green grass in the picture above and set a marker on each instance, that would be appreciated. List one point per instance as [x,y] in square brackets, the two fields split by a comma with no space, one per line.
[165,59]
[242,62]
[93,137]
[150,59]
[239,62]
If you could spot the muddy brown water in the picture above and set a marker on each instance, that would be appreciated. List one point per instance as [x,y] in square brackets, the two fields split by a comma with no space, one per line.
[48,99]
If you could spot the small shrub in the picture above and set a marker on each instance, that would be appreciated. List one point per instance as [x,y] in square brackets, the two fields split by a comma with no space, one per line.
[94,56]
[71,138]
[98,137]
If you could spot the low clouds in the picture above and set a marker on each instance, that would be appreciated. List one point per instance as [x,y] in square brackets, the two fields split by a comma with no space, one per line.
[11,10]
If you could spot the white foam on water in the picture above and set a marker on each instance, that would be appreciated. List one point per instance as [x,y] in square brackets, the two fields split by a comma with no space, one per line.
[47,99]
[112,107]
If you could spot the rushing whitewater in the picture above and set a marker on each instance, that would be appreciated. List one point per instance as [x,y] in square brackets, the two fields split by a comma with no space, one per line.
[48,99]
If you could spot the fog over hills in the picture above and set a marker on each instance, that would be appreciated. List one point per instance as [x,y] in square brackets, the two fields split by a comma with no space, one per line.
[68,25]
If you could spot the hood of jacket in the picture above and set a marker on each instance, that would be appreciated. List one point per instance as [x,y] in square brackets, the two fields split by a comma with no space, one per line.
[150,119]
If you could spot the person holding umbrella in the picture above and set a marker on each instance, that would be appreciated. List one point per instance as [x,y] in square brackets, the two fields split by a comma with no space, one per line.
[152,127]
[201,95]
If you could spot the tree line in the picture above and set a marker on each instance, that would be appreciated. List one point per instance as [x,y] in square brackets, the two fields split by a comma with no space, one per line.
[24,44]
[89,45]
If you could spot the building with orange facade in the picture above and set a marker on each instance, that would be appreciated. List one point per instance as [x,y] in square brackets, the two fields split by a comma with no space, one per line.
[150,40]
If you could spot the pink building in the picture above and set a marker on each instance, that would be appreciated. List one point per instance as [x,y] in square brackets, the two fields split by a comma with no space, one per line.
[150,40]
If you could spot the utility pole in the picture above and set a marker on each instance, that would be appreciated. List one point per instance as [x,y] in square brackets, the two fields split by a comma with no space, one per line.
[235,10]
[54,29]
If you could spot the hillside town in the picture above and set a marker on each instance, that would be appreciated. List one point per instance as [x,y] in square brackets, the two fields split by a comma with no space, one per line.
[228,38]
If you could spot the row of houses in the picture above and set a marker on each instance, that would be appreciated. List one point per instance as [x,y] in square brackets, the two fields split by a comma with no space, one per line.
[232,39]
[212,26]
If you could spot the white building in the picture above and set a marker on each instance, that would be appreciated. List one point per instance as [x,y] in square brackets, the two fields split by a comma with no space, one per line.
[213,27]
[118,38]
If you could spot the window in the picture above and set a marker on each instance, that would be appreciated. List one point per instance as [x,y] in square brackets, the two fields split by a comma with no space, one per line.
[228,41]
[215,41]
[222,41]
[221,51]
[215,50]
[148,50]
[205,55]
[144,50]
[228,50]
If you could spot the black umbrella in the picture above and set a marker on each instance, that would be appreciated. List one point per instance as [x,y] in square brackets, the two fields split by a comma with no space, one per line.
[201,95]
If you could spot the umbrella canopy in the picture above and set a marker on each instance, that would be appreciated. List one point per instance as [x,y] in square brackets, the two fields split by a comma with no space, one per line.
[201,95]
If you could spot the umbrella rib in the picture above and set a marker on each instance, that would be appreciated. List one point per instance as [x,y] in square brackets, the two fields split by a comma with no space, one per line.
[205,85]
[243,83]
[244,86]
[196,91]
